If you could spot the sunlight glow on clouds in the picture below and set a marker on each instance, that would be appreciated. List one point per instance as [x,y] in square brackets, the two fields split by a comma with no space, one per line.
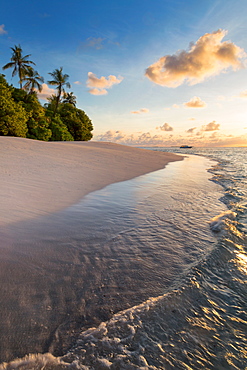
[143,110]
[191,130]
[46,92]
[195,102]
[95,91]
[148,139]
[165,127]
[243,94]
[98,86]
[212,126]
[209,56]
[2,30]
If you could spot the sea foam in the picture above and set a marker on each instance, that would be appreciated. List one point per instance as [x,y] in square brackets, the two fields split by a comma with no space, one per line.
[218,223]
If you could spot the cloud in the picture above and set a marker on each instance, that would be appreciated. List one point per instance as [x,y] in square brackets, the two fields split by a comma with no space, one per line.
[195,102]
[191,130]
[46,92]
[98,86]
[209,56]
[143,110]
[149,139]
[243,94]
[140,139]
[77,83]
[165,127]
[92,43]
[212,126]
[2,30]
[95,91]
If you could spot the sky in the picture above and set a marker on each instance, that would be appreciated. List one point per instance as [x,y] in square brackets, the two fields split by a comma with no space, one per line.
[146,72]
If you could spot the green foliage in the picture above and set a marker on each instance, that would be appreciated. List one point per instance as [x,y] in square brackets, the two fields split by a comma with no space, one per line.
[37,123]
[59,130]
[59,80]
[19,63]
[33,81]
[77,122]
[69,98]
[13,116]
[21,113]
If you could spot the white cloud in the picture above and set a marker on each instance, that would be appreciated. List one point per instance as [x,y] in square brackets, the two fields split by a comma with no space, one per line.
[195,102]
[77,83]
[98,86]
[2,30]
[46,92]
[209,56]
[165,127]
[92,42]
[143,110]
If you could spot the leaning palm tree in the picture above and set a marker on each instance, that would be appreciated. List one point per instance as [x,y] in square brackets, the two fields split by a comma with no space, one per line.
[69,98]
[19,63]
[33,81]
[59,80]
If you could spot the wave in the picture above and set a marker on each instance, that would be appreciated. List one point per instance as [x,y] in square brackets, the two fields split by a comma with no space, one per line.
[198,323]
[219,222]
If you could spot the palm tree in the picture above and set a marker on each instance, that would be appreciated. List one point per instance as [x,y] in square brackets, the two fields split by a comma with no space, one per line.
[33,80]
[59,80]
[20,63]
[69,98]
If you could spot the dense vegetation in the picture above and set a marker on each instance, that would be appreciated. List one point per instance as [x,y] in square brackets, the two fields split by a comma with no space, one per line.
[21,113]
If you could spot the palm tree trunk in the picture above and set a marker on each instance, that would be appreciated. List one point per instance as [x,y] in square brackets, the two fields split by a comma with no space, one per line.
[19,67]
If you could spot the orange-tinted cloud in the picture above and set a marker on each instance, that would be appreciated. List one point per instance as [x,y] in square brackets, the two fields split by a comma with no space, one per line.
[143,110]
[2,30]
[209,56]
[141,138]
[98,86]
[212,126]
[195,102]
[148,139]
[46,92]
[165,127]
[95,91]
[191,130]
[243,94]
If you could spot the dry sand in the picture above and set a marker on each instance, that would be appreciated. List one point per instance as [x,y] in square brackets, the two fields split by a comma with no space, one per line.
[37,177]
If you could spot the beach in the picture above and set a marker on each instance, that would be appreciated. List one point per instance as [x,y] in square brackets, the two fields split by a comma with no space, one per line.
[121,258]
[37,178]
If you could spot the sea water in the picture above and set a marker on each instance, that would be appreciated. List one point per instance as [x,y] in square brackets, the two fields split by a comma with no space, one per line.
[145,274]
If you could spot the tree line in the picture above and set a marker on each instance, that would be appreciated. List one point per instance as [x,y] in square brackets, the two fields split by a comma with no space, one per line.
[21,113]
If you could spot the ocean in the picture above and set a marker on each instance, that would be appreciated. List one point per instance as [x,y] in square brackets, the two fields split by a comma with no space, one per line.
[148,273]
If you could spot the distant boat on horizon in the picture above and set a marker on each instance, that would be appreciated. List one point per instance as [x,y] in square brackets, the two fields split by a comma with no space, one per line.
[185,147]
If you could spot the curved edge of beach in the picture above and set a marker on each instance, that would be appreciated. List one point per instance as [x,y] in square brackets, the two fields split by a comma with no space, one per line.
[37,178]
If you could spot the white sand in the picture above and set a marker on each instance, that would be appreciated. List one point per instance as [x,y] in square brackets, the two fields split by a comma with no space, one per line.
[37,177]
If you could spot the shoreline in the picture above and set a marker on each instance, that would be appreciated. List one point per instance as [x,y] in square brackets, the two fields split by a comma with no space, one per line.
[39,178]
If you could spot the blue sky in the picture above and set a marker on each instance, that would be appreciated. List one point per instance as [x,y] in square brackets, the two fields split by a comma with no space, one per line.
[146,72]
